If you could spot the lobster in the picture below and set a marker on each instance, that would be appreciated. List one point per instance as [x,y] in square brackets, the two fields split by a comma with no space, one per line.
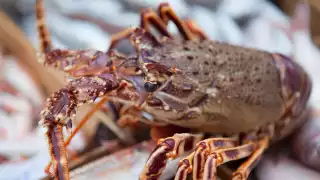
[242,99]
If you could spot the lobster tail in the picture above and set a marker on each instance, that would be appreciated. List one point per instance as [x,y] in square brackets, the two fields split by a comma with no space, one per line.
[295,81]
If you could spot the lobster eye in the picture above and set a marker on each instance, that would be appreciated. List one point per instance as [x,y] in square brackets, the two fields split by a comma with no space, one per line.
[151,86]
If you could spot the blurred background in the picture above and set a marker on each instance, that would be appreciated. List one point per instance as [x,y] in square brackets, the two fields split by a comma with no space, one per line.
[24,84]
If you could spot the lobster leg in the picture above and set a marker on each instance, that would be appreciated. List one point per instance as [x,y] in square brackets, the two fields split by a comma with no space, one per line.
[168,148]
[116,38]
[59,59]
[148,17]
[221,156]
[244,170]
[62,109]
[57,149]
[195,29]
[95,108]
[195,161]
[167,14]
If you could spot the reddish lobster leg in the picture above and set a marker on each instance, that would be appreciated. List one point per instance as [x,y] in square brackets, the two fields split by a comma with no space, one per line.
[244,170]
[196,160]
[149,18]
[62,108]
[205,158]
[76,129]
[195,29]
[168,148]
[221,156]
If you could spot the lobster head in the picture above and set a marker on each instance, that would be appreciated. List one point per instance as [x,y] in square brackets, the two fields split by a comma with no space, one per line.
[145,83]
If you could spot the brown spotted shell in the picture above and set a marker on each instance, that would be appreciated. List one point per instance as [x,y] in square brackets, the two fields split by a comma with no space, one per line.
[232,88]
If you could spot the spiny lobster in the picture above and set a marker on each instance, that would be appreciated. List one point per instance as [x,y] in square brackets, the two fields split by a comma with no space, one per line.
[243,98]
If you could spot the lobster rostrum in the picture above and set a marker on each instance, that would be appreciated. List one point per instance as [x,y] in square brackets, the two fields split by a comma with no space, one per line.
[243,98]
